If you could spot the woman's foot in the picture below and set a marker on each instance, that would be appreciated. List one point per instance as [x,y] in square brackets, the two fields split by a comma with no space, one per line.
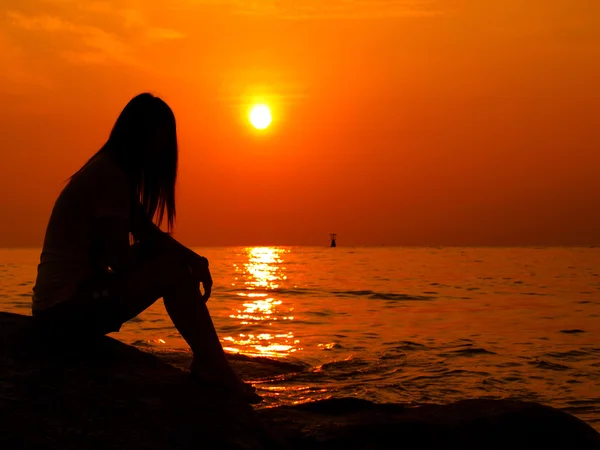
[226,379]
[242,390]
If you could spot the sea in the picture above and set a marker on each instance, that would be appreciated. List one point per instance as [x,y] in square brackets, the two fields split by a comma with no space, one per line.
[411,325]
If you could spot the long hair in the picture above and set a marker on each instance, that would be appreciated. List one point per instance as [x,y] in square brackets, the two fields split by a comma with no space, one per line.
[143,142]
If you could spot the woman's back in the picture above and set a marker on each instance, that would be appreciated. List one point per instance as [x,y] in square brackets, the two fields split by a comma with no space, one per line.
[69,254]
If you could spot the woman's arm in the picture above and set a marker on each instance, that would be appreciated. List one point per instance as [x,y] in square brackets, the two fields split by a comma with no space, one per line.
[145,230]
[109,203]
[112,234]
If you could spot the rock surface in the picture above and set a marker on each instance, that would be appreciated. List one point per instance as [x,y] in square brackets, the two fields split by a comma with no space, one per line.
[108,395]
[466,425]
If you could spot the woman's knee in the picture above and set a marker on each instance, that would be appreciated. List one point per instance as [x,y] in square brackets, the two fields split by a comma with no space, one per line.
[159,273]
[168,265]
[179,275]
[184,279]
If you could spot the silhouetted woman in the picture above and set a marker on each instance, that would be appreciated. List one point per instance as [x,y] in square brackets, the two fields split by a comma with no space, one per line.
[105,260]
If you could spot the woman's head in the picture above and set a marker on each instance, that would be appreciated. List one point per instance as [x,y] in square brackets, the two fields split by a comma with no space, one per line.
[144,143]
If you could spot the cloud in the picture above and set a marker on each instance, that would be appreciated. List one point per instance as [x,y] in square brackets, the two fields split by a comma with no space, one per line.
[16,75]
[328,9]
[127,16]
[46,23]
[91,38]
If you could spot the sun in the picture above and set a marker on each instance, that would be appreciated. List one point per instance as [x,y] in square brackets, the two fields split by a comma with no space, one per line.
[260,116]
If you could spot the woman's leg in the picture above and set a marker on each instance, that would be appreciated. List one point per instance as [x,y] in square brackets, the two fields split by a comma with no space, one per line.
[190,316]
[168,277]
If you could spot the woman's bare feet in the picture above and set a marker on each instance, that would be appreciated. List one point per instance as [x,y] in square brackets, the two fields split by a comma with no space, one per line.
[225,378]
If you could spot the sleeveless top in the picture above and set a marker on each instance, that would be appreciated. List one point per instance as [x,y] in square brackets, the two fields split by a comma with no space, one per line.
[100,189]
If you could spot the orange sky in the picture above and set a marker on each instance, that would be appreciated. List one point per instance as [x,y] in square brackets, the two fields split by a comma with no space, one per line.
[398,122]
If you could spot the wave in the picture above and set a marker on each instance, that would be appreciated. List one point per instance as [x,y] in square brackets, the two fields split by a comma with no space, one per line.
[284,291]
[319,292]
[574,355]
[398,349]
[354,363]
[253,367]
[472,351]
[382,295]
[541,364]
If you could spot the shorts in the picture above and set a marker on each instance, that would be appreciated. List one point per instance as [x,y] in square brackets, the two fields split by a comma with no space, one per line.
[95,310]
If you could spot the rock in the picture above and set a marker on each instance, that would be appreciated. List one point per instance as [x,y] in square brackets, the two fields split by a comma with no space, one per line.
[108,395]
[467,425]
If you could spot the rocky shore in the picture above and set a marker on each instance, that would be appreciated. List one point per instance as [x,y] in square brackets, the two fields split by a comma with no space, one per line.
[109,395]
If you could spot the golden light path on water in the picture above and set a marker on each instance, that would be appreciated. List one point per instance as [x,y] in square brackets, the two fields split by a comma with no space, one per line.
[258,280]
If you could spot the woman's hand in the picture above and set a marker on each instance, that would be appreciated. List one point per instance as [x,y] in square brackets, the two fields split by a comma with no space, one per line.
[201,273]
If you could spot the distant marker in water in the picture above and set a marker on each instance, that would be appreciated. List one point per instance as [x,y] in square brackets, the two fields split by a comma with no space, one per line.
[333,238]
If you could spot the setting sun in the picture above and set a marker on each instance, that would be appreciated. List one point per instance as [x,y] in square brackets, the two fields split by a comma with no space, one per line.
[260,116]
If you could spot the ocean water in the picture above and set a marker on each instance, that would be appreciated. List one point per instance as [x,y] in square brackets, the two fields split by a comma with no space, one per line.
[408,325]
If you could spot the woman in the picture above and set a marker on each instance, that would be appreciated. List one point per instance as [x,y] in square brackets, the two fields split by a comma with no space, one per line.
[104,259]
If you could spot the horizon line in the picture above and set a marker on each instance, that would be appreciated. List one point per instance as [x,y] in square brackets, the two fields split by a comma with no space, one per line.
[27,247]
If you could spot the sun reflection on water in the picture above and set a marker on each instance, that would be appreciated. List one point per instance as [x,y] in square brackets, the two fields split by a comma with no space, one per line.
[262,312]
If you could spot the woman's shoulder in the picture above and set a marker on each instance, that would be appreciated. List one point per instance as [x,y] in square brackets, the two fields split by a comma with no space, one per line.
[103,168]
